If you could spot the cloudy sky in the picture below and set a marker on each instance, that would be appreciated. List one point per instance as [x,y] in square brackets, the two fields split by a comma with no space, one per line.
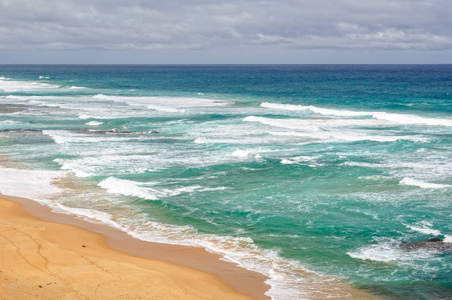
[232,31]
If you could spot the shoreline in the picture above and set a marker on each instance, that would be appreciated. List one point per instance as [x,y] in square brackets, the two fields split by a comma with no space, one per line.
[227,277]
[225,280]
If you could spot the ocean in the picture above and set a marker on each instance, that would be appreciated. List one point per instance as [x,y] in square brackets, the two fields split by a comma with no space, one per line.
[308,174]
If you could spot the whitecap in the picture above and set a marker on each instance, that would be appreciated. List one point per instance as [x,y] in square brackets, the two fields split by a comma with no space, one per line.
[329,130]
[323,111]
[425,230]
[389,252]
[423,185]
[93,123]
[127,188]
[297,159]
[406,119]
[447,239]
[145,190]
[241,153]
[59,136]
[169,102]
[15,86]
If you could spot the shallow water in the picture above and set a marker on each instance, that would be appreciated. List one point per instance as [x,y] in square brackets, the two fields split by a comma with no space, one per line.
[328,170]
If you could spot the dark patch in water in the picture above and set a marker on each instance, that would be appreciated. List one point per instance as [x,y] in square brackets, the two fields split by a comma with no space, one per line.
[86,131]
[21,130]
[418,291]
[433,244]
[11,108]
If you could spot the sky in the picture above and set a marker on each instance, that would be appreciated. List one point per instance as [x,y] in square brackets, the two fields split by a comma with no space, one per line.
[225,32]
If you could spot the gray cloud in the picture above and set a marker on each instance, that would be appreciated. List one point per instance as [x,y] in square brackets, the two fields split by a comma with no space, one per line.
[234,24]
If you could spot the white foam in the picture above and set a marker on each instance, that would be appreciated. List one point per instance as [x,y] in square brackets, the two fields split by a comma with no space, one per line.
[77,87]
[423,185]
[104,97]
[189,189]
[37,185]
[425,230]
[241,153]
[201,140]
[144,189]
[388,252]
[305,126]
[328,130]
[164,102]
[59,136]
[15,86]
[323,111]
[286,161]
[74,167]
[297,159]
[407,119]
[19,98]
[66,136]
[93,123]
[284,123]
[165,108]
[361,164]
[126,187]
[9,122]
[90,214]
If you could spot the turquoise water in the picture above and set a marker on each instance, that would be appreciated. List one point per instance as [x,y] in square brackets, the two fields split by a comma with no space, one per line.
[310,175]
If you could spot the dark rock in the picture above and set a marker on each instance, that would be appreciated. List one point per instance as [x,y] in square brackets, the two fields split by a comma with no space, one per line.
[435,240]
[433,244]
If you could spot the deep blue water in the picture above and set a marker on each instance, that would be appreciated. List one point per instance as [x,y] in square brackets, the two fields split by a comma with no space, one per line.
[301,172]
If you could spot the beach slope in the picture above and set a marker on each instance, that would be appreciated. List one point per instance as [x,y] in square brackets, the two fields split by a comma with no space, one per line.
[46,260]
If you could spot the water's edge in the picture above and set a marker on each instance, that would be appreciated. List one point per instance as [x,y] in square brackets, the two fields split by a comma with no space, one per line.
[244,281]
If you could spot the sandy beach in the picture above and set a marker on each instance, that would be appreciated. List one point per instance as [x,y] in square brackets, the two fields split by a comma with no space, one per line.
[47,260]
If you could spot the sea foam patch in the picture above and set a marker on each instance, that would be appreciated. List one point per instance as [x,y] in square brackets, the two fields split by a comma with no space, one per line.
[127,188]
[33,184]
[406,119]
[426,228]
[146,190]
[421,184]
[15,86]
[391,252]
[164,102]
[94,123]
[331,130]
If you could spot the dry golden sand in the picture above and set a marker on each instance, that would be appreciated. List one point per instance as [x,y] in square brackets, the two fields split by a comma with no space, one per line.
[46,260]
